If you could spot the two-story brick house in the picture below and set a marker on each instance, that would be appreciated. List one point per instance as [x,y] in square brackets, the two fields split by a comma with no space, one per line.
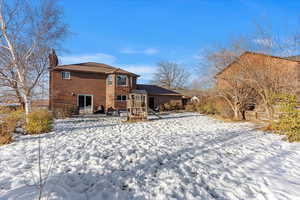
[286,69]
[281,72]
[89,86]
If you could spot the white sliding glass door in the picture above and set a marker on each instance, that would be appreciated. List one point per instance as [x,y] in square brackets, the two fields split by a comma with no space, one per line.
[85,103]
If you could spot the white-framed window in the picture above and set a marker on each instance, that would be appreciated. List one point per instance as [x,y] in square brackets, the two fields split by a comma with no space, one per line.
[122,80]
[66,75]
[121,98]
[109,80]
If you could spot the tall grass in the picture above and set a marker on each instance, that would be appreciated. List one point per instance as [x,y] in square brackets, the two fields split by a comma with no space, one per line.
[8,125]
[39,121]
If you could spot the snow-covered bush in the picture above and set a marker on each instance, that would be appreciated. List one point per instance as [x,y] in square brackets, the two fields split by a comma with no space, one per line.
[39,121]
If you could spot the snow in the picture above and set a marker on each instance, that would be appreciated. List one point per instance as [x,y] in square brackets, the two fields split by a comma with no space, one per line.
[182,156]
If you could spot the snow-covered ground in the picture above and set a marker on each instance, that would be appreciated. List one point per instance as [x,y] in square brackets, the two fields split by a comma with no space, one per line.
[183,156]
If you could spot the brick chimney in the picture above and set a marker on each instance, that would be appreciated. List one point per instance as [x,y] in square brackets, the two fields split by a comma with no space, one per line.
[53,60]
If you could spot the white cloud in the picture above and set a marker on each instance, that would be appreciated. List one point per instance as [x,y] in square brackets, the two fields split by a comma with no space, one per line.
[147,51]
[128,51]
[150,51]
[198,57]
[97,57]
[266,42]
[144,70]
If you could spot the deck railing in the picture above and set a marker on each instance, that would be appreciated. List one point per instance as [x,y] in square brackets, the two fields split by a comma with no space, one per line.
[135,104]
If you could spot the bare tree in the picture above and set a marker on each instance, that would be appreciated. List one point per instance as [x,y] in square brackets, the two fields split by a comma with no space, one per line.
[258,76]
[258,73]
[170,75]
[28,31]
[237,94]
[214,59]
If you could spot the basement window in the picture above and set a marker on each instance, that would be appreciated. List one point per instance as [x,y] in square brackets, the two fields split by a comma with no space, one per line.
[121,98]
[122,80]
[66,75]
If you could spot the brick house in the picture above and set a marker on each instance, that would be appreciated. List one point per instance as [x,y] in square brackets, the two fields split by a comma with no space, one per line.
[275,66]
[89,86]
[158,95]
[283,71]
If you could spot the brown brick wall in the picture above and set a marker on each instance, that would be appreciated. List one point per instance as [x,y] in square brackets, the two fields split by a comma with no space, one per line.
[274,66]
[162,99]
[64,92]
[114,90]
[121,90]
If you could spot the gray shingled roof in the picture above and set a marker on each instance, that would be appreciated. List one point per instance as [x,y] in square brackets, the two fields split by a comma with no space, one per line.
[93,67]
[156,90]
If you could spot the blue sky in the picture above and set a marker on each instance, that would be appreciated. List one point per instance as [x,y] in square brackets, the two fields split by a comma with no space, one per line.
[136,34]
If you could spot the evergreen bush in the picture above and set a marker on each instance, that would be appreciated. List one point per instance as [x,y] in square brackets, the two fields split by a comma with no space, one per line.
[289,119]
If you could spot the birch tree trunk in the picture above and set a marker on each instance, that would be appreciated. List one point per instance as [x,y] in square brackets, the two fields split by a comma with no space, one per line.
[28,32]
[27,101]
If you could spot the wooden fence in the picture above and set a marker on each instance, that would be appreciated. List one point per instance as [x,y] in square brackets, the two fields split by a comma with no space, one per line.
[262,116]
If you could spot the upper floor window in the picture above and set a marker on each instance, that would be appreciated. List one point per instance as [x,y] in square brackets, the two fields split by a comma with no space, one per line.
[66,75]
[109,80]
[122,79]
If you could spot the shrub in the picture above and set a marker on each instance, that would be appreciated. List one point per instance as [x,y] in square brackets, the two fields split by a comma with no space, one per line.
[166,107]
[4,110]
[208,108]
[39,121]
[172,105]
[205,106]
[289,119]
[66,111]
[191,107]
[5,134]
[175,105]
[8,126]
[210,105]
[223,109]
